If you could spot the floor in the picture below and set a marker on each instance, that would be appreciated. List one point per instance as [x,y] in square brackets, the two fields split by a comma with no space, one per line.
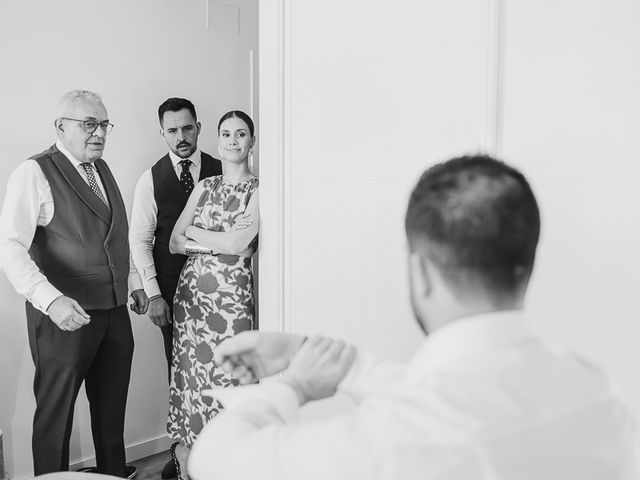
[150,467]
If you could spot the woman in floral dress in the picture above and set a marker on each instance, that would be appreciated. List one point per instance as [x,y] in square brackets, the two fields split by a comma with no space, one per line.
[214,300]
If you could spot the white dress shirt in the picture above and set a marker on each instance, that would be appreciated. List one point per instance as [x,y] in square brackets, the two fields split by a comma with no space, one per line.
[28,204]
[483,399]
[144,215]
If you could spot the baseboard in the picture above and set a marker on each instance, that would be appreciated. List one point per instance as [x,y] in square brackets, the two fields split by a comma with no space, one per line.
[338,404]
[133,452]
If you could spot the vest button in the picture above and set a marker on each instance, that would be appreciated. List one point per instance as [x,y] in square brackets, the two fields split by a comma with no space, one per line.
[113,264]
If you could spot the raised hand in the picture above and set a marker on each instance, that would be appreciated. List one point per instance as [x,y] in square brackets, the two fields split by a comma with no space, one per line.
[252,355]
[318,368]
[67,314]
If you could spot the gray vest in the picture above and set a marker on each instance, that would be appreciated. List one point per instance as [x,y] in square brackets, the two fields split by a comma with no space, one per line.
[84,250]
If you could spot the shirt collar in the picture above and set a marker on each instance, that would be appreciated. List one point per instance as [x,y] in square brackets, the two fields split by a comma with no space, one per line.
[470,336]
[195,158]
[74,161]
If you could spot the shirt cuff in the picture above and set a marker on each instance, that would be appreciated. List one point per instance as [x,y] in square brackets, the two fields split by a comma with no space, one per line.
[151,287]
[278,395]
[43,296]
[134,282]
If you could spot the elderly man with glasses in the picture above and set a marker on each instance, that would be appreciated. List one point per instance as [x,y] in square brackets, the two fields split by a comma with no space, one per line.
[64,246]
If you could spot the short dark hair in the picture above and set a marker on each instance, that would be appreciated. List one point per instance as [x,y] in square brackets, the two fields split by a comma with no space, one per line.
[175,104]
[479,223]
[237,114]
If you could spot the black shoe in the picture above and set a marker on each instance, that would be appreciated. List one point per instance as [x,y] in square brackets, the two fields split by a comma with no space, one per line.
[129,471]
[172,450]
[169,470]
[88,470]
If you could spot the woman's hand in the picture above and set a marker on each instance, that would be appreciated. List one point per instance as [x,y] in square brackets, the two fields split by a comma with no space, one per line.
[242,221]
[188,232]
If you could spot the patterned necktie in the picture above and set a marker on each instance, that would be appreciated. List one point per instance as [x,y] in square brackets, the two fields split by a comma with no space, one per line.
[185,176]
[88,167]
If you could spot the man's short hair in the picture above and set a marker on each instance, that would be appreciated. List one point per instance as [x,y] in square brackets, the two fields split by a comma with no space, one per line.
[175,104]
[71,97]
[478,221]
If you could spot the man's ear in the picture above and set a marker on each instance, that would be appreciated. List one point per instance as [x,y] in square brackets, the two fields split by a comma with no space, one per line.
[59,125]
[421,275]
[199,127]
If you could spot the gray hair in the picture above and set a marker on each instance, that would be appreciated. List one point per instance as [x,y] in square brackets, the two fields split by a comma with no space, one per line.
[71,97]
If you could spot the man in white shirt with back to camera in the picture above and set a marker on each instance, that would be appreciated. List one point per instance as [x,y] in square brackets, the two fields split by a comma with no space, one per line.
[482,398]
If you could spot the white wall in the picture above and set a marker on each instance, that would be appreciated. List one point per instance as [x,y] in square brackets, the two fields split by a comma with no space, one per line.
[372,93]
[571,122]
[135,54]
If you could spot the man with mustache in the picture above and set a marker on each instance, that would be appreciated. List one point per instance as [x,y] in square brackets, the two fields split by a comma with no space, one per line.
[64,246]
[160,196]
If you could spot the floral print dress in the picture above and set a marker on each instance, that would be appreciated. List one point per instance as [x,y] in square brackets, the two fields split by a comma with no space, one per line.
[213,301]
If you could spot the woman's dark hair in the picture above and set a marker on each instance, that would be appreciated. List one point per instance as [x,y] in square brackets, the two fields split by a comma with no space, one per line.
[237,114]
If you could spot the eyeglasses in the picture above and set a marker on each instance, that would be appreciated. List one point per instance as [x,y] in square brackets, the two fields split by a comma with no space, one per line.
[91,126]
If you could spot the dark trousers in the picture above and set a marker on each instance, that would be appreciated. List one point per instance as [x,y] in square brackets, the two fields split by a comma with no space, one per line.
[99,354]
[167,284]
[167,337]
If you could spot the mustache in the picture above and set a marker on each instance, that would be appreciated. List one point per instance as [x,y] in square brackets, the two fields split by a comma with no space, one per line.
[183,144]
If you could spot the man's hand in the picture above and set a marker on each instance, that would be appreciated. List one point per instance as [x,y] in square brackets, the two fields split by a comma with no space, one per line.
[140,301]
[159,312]
[67,314]
[318,368]
[252,355]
